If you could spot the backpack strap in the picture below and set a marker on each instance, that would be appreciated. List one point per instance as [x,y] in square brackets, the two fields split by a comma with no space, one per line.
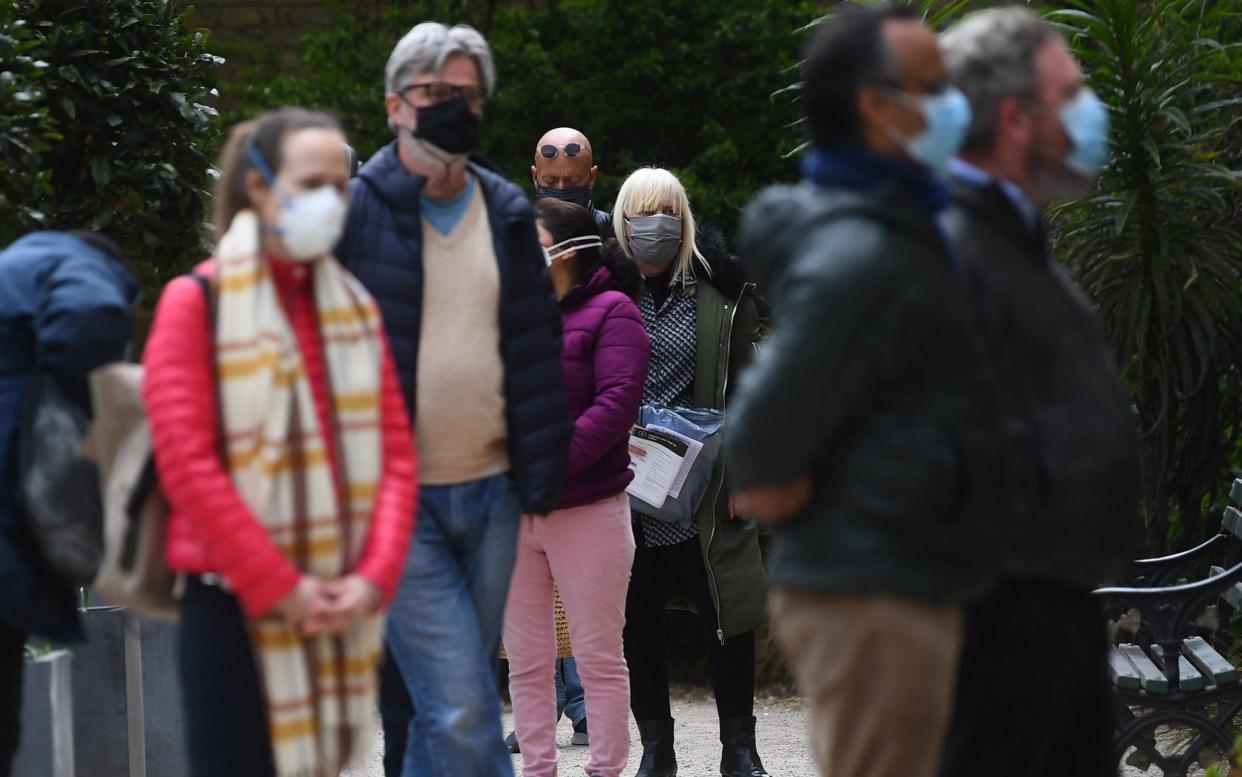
[148,479]
[209,295]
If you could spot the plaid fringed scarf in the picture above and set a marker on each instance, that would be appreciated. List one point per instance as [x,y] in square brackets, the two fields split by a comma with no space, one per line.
[320,691]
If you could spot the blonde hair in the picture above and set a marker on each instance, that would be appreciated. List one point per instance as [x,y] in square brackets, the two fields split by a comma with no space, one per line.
[645,192]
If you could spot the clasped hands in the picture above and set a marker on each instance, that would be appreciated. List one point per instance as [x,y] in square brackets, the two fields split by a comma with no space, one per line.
[318,606]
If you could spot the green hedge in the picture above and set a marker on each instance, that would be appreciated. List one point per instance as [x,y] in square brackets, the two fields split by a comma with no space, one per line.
[103,125]
[26,130]
[684,84]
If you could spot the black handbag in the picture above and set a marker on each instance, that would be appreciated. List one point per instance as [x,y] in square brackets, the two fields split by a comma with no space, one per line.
[59,485]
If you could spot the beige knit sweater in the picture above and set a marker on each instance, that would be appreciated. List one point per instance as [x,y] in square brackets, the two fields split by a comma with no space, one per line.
[461,429]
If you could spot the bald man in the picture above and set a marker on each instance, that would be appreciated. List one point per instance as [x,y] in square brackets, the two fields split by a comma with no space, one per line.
[565,168]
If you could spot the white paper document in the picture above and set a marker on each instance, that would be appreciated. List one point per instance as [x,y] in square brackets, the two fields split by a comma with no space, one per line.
[692,453]
[656,457]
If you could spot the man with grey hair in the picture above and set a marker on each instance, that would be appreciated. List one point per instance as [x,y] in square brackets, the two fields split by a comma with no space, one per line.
[449,249]
[1038,134]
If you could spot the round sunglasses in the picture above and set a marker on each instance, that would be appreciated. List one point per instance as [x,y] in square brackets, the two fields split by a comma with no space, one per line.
[550,151]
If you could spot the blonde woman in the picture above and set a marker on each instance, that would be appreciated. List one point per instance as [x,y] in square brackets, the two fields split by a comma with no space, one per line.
[703,320]
[283,446]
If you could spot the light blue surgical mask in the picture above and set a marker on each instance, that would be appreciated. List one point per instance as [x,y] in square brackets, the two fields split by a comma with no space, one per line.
[1085,119]
[947,117]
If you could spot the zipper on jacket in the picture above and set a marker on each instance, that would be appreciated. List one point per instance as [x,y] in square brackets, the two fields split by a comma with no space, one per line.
[724,399]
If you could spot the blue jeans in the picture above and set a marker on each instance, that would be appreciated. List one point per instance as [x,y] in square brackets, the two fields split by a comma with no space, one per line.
[444,628]
[570,699]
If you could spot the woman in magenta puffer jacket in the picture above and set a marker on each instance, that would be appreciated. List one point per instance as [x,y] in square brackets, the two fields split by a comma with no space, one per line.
[585,547]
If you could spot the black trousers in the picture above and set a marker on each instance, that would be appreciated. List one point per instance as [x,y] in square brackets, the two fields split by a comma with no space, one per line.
[1033,691]
[731,664]
[225,715]
[12,663]
[396,711]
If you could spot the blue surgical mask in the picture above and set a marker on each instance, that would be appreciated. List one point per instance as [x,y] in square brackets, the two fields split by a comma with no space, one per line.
[1085,119]
[947,117]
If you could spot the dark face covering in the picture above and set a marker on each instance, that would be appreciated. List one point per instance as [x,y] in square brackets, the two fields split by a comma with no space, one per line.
[578,195]
[449,126]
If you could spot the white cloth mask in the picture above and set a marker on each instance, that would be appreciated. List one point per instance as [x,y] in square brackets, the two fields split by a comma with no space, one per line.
[310,223]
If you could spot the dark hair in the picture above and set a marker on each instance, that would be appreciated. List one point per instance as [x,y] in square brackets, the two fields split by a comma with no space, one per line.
[847,52]
[100,242]
[264,133]
[564,220]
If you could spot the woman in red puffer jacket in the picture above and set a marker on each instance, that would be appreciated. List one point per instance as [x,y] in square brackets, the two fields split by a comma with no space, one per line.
[284,448]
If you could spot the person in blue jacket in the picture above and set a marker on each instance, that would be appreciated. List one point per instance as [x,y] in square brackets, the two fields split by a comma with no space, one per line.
[449,249]
[65,303]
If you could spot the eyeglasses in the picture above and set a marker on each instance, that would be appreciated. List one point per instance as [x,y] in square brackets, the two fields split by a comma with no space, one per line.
[572,150]
[440,91]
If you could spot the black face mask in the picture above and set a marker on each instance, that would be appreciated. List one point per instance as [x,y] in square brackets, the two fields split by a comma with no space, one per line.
[449,126]
[578,195]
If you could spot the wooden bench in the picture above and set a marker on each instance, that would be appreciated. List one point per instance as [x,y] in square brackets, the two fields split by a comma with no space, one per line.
[1200,667]
[1159,615]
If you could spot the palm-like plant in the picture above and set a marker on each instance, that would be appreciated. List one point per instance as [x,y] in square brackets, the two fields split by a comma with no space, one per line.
[1157,247]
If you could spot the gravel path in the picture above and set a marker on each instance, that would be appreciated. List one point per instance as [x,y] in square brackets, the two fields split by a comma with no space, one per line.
[1171,741]
[781,730]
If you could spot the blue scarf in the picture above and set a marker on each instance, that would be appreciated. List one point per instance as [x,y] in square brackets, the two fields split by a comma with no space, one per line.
[862,169]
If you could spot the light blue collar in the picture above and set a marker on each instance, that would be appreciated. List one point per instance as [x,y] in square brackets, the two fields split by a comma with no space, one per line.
[960,168]
[445,215]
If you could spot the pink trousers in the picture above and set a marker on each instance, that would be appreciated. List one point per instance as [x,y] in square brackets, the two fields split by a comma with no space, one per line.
[587,553]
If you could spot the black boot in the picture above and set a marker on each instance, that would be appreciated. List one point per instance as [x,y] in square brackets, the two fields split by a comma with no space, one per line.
[659,760]
[740,758]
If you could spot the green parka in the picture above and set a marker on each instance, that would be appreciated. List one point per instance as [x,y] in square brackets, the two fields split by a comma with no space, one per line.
[728,329]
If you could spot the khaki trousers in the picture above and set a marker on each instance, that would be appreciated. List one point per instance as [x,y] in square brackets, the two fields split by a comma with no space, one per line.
[879,674]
